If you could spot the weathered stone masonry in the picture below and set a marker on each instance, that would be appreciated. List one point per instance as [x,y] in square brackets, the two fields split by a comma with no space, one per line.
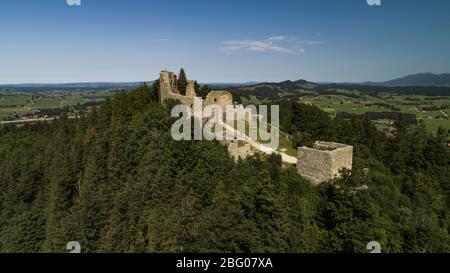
[324,161]
[169,90]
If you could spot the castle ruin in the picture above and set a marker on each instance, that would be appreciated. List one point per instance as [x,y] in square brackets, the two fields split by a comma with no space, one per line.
[324,161]
[169,90]
[321,163]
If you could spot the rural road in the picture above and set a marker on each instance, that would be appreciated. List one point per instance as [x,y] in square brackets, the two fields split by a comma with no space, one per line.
[29,120]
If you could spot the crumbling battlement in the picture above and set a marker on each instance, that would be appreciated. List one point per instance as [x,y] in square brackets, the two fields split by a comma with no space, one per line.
[168,85]
[220,98]
[190,89]
[324,161]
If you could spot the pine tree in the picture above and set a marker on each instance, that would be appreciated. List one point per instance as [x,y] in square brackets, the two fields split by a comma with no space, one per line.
[182,82]
[442,135]
[197,88]
[224,227]
[61,189]
[24,233]
[155,91]
[204,91]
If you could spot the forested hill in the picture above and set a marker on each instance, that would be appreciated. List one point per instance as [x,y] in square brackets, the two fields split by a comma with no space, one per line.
[117,182]
[274,90]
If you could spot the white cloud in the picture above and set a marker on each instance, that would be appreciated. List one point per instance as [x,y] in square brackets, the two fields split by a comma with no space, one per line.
[73,2]
[311,43]
[277,38]
[278,44]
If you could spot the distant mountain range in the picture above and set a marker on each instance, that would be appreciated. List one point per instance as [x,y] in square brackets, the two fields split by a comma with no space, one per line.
[36,87]
[420,84]
[421,79]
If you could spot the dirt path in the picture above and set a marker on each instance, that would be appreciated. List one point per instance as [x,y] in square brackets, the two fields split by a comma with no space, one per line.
[258,146]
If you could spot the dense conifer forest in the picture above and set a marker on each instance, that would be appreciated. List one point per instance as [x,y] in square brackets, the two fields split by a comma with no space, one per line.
[116,181]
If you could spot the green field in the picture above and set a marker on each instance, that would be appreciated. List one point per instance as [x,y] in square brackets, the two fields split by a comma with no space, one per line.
[362,103]
[432,125]
[20,102]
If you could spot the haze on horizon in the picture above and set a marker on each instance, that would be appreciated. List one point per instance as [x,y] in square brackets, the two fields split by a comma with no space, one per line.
[222,41]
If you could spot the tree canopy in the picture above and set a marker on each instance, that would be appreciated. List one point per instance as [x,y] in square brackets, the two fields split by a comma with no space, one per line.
[116,181]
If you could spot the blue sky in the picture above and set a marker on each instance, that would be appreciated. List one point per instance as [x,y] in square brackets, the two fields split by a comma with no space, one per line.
[222,40]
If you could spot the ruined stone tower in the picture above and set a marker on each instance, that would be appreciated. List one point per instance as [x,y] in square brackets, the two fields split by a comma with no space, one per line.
[324,161]
[168,85]
[221,98]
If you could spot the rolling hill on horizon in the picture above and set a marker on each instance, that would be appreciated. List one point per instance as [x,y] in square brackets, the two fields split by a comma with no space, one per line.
[428,80]
[419,79]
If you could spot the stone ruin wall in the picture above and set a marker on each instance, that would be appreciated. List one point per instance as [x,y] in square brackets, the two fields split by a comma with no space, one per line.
[167,85]
[190,89]
[169,90]
[221,98]
[324,161]
[342,158]
[314,165]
